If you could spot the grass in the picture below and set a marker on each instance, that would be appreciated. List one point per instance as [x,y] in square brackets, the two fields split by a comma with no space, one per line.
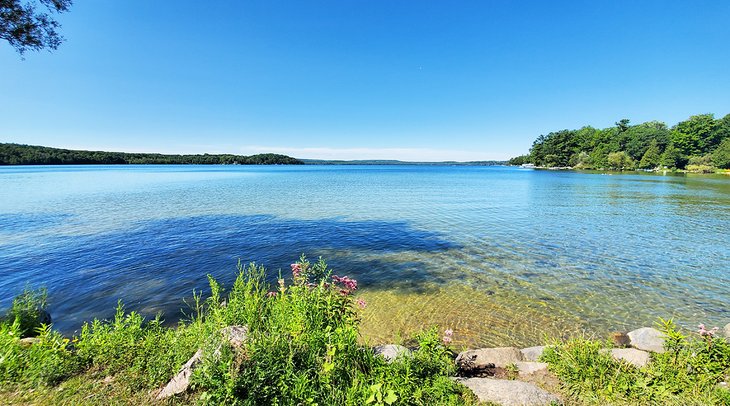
[688,372]
[302,348]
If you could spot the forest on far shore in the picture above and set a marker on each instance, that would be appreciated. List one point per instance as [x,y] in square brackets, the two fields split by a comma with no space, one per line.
[699,144]
[17,154]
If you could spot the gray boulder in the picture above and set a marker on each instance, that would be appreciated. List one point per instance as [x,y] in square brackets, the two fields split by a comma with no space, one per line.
[532,353]
[726,330]
[508,393]
[637,358]
[391,351]
[527,368]
[235,335]
[647,339]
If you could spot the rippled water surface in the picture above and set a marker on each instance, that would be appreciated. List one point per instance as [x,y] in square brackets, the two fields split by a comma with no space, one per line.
[501,255]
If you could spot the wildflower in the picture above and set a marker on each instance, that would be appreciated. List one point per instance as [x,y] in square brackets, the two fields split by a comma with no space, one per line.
[296,270]
[707,333]
[281,284]
[362,303]
[271,294]
[449,332]
[446,339]
[348,284]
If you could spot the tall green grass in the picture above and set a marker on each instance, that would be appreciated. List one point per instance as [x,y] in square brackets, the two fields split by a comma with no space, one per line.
[303,347]
[688,373]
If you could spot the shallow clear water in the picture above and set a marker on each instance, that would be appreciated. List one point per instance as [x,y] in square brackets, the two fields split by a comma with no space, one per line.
[501,255]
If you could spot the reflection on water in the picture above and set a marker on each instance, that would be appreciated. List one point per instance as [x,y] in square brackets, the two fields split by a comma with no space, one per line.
[501,255]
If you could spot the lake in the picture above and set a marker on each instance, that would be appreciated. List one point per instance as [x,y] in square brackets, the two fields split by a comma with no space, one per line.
[501,255]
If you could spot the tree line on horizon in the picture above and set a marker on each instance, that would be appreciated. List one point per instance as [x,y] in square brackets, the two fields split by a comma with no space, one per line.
[701,144]
[17,154]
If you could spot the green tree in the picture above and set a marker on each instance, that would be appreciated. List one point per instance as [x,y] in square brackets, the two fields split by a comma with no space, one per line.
[622,125]
[519,160]
[620,160]
[696,135]
[651,158]
[721,156]
[580,160]
[673,158]
[25,28]
[638,138]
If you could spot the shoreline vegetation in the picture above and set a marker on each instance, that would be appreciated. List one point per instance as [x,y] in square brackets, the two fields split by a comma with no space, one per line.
[700,144]
[297,342]
[17,154]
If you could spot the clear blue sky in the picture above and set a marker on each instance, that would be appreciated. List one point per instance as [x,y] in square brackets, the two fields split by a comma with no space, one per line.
[412,80]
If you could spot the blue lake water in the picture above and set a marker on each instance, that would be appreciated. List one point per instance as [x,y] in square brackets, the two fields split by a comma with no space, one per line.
[501,255]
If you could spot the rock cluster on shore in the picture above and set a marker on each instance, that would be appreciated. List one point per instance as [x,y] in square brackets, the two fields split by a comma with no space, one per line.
[503,375]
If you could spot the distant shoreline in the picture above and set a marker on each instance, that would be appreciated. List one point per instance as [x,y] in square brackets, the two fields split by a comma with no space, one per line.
[19,154]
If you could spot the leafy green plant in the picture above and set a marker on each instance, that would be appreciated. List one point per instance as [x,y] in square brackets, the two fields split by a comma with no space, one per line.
[29,311]
[303,347]
[686,373]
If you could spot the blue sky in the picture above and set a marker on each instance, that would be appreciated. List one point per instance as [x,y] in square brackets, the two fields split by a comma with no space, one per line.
[411,80]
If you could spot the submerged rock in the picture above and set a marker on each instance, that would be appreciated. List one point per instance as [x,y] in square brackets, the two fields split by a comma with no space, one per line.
[391,351]
[508,393]
[647,339]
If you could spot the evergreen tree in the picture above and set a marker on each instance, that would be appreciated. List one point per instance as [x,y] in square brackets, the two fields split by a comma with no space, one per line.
[651,158]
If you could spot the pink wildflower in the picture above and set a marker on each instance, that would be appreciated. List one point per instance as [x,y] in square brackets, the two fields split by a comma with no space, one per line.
[296,270]
[362,303]
[707,333]
[446,339]
[271,294]
[348,285]
[449,332]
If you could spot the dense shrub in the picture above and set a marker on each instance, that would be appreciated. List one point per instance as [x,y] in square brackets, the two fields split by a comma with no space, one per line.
[687,373]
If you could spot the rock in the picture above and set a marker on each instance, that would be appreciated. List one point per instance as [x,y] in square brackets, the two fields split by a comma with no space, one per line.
[391,351]
[726,330]
[235,335]
[500,357]
[508,393]
[531,368]
[180,382]
[28,341]
[620,339]
[647,339]
[637,358]
[487,361]
[532,353]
